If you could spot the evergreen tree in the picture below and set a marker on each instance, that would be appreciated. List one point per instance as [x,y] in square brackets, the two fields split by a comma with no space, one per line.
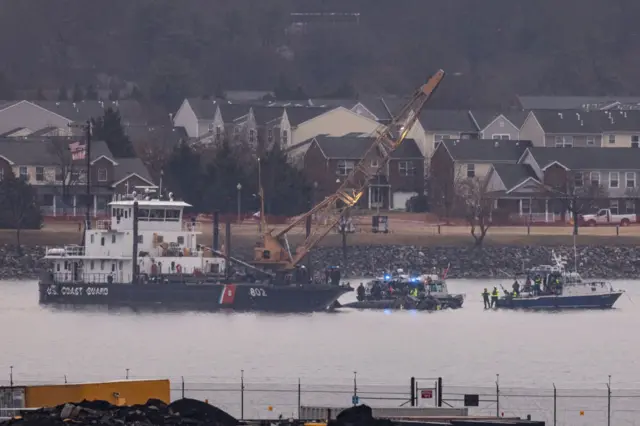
[183,172]
[286,190]
[109,129]
[91,94]
[78,94]
[20,209]
[63,94]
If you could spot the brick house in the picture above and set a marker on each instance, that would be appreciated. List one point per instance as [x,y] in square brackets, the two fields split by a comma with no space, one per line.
[329,159]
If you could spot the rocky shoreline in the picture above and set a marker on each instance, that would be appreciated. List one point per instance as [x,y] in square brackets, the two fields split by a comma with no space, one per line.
[610,262]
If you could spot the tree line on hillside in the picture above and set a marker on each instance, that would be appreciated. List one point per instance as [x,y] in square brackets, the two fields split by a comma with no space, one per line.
[213,179]
[493,49]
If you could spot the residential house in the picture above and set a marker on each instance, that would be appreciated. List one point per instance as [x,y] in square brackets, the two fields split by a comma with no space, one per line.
[60,181]
[569,128]
[460,159]
[330,159]
[563,128]
[340,121]
[614,171]
[51,118]
[498,125]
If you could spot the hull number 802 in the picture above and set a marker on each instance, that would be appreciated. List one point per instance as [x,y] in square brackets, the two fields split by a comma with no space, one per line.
[257,292]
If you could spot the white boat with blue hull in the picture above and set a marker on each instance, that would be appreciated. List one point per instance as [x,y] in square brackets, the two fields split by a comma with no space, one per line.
[552,287]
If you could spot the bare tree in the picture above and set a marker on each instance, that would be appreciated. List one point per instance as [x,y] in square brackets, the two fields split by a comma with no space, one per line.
[582,199]
[67,171]
[477,203]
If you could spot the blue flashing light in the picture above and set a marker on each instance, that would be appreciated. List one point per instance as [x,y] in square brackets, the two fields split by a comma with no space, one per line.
[387,277]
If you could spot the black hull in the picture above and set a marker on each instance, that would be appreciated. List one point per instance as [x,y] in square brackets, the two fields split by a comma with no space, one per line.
[408,303]
[196,296]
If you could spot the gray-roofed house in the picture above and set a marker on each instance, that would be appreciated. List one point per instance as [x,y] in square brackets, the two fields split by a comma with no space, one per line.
[568,128]
[439,125]
[46,163]
[329,159]
[498,125]
[456,160]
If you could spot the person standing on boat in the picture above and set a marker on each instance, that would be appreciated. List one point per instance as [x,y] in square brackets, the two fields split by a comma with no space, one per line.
[360,292]
[485,298]
[537,285]
[494,297]
[516,288]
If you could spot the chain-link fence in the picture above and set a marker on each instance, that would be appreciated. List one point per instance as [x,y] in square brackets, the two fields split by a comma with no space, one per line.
[267,398]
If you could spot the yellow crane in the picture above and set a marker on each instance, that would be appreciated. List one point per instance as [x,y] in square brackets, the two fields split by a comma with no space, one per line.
[273,251]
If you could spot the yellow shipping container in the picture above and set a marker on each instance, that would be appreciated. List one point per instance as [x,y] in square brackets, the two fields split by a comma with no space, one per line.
[125,392]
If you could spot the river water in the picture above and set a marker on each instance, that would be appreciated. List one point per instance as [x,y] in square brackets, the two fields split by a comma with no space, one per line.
[576,351]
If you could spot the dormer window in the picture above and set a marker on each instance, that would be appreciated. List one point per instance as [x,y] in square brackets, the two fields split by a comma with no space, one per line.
[102,175]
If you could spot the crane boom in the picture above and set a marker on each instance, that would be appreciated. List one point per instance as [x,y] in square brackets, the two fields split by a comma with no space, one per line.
[273,253]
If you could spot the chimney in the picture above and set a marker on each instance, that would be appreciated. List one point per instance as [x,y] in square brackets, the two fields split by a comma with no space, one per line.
[581,123]
[496,143]
[560,115]
[578,115]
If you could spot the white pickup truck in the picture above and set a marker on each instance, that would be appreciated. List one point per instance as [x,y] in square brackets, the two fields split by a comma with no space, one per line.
[605,217]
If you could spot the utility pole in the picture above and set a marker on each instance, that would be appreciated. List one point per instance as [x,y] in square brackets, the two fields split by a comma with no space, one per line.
[88,154]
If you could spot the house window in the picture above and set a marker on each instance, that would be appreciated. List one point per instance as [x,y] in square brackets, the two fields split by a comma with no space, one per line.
[471,170]
[181,240]
[613,206]
[612,139]
[345,167]
[614,180]
[270,135]
[635,141]
[564,141]
[218,133]
[23,172]
[59,174]
[578,180]
[630,177]
[102,175]
[595,178]
[525,206]
[211,127]
[113,238]
[375,164]
[252,136]
[40,174]
[630,206]
[102,241]
[591,140]
[406,168]
[140,239]
[500,136]
[285,137]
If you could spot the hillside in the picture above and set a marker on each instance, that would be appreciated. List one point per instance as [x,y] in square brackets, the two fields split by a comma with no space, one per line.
[493,49]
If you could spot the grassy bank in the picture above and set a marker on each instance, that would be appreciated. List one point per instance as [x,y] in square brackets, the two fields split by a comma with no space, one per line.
[246,236]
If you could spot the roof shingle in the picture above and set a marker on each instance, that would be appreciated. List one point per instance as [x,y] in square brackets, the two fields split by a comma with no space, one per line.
[486,150]
[354,146]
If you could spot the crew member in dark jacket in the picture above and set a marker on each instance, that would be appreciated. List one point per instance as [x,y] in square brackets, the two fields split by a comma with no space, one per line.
[485,298]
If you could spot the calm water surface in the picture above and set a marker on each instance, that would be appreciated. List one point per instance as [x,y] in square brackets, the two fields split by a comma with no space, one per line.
[465,347]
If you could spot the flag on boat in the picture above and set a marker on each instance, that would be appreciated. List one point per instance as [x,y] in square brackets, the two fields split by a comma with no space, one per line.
[78,151]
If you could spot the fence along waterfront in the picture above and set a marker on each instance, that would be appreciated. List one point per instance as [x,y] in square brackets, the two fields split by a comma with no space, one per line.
[269,397]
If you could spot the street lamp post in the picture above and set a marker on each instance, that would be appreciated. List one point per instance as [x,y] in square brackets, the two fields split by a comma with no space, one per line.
[239,187]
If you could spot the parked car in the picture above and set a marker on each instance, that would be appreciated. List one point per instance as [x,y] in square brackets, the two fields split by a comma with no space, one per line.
[605,217]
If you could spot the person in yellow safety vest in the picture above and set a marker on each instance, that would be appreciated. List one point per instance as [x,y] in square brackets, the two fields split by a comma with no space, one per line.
[494,297]
[414,292]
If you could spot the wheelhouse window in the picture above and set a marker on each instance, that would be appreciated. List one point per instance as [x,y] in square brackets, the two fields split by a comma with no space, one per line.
[406,168]
[172,215]
[345,167]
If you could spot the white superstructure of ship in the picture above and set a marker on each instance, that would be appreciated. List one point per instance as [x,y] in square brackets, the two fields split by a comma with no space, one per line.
[167,245]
